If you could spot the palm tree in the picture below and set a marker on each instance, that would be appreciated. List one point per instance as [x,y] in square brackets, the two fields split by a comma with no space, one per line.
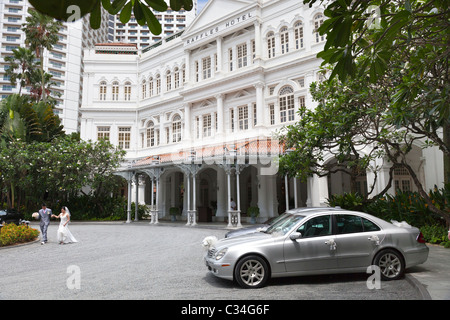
[41,33]
[21,66]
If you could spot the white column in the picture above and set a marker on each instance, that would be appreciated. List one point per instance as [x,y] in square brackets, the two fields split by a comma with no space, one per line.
[188,187]
[157,201]
[187,122]
[238,198]
[259,104]
[136,189]
[229,197]
[152,199]
[194,210]
[258,45]
[129,199]
[220,114]
[187,66]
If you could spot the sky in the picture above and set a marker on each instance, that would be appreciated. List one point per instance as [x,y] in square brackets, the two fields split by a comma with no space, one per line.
[200,5]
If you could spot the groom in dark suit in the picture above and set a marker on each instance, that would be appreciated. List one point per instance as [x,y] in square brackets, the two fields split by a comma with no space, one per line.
[44,215]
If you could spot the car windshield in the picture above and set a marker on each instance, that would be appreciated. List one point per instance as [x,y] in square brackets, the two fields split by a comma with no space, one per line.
[282,226]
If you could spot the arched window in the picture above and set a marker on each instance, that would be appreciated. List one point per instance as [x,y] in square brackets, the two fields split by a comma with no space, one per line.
[115,90]
[127,91]
[168,81]
[103,90]
[150,134]
[284,38]
[318,21]
[144,89]
[176,129]
[298,34]
[271,45]
[286,103]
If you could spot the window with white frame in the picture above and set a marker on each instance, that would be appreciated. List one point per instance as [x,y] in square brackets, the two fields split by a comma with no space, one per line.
[271,45]
[103,133]
[176,129]
[242,55]
[144,89]
[103,87]
[207,125]
[232,120]
[230,59]
[284,38]
[272,113]
[124,137]
[168,81]
[255,115]
[176,76]
[197,71]
[158,84]
[206,68]
[127,91]
[298,35]
[286,103]
[150,134]
[253,44]
[243,117]
[318,21]
[115,91]
[150,87]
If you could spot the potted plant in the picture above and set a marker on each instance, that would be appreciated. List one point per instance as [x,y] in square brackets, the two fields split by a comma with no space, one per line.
[174,212]
[253,212]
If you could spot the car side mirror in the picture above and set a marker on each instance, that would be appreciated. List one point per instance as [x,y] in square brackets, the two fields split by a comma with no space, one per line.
[295,235]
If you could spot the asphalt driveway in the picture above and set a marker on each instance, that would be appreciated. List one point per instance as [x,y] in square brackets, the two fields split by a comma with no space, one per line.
[142,261]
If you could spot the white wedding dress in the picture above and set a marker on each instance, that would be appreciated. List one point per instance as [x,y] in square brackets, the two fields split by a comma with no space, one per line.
[64,234]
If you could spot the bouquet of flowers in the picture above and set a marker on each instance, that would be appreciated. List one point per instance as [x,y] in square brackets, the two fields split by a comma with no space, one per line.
[35,215]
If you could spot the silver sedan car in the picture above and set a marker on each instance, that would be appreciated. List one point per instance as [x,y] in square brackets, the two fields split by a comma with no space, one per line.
[319,241]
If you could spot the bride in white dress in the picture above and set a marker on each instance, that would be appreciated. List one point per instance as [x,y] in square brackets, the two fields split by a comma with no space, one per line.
[64,235]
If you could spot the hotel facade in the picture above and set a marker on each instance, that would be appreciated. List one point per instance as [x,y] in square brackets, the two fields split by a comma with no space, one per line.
[198,113]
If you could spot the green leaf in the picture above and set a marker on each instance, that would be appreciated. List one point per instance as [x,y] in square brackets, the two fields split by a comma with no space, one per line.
[175,5]
[95,18]
[116,6]
[125,14]
[158,5]
[152,22]
[138,13]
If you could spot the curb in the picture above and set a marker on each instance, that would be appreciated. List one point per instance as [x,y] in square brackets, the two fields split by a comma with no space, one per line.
[418,286]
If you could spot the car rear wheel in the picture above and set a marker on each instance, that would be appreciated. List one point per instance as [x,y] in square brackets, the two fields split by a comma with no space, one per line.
[391,264]
[251,272]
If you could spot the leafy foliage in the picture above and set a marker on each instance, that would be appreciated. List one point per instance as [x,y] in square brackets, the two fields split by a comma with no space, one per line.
[66,10]
[12,234]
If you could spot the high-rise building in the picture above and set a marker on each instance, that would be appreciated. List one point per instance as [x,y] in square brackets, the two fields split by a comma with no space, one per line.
[171,22]
[64,62]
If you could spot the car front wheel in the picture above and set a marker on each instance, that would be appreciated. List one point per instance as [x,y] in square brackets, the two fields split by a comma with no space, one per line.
[391,264]
[251,272]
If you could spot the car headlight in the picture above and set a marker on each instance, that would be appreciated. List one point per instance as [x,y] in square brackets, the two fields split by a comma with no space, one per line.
[221,253]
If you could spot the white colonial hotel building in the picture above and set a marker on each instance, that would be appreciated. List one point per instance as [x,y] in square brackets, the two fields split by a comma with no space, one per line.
[197,112]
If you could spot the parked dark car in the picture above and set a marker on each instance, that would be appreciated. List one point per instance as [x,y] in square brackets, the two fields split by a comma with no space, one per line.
[11,216]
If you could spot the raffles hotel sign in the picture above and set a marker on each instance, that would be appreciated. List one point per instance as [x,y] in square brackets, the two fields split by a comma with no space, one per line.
[226,25]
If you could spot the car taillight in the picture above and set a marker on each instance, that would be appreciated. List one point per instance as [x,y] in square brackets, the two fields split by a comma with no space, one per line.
[420,238]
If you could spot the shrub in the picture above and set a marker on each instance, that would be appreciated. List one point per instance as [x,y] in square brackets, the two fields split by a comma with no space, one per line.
[12,234]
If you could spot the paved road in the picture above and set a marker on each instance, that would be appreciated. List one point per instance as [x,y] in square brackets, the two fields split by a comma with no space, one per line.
[142,261]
